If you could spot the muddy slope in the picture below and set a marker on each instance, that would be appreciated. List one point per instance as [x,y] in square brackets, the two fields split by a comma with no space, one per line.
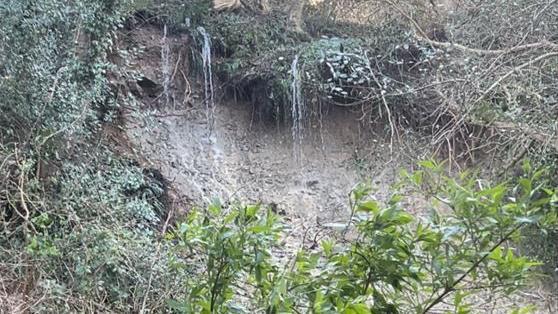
[250,161]
[239,157]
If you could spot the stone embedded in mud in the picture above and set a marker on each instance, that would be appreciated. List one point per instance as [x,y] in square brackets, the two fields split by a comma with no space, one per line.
[312,183]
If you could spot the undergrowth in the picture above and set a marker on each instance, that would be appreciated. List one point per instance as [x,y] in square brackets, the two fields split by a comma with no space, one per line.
[394,262]
[79,224]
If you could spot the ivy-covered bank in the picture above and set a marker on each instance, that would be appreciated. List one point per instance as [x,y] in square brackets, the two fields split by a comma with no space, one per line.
[79,224]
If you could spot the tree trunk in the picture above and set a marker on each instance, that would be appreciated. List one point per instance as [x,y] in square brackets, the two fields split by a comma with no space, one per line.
[222,5]
[296,15]
[264,6]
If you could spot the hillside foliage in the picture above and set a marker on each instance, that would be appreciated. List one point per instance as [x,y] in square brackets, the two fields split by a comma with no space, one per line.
[84,228]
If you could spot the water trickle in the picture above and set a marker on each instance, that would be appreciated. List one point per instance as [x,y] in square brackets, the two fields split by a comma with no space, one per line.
[210,144]
[297,111]
[165,66]
[207,76]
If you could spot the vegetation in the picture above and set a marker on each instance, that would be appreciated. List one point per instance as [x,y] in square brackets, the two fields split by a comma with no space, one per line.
[79,224]
[395,263]
[85,228]
[443,68]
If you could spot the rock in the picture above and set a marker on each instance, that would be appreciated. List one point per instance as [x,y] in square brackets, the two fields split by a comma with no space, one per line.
[312,183]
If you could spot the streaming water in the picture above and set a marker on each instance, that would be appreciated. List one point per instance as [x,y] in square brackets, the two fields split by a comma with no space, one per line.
[208,76]
[165,66]
[211,142]
[297,111]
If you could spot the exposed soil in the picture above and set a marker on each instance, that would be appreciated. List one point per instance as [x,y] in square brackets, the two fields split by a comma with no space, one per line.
[244,160]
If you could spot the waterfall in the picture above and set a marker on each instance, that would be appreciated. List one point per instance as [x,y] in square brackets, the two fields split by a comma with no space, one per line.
[207,76]
[165,66]
[297,110]
[210,144]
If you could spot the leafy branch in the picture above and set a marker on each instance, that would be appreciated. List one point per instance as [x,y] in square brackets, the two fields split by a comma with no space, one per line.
[452,288]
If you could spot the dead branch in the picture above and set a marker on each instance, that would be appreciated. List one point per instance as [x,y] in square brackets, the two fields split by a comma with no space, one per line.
[424,37]
[512,71]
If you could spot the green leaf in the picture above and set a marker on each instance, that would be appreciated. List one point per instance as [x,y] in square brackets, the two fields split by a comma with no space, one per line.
[327,246]
[527,166]
[252,210]
[319,301]
[417,177]
[215,207]
[428,164]
[259,229]
[496,254]
[369,206]
[357,309]
[526,186]
[525,220]
[403,218]
[395,199]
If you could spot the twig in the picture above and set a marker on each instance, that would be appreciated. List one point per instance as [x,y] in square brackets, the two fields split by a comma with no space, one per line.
[175,67]
[452,288]
[516,159]
[423,36]
[66,128]
[149,282]
[187,89]
[512,71]
[172,114]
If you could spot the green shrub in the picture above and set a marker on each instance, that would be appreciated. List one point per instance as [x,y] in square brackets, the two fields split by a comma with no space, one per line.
[396,263]
[229,248]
